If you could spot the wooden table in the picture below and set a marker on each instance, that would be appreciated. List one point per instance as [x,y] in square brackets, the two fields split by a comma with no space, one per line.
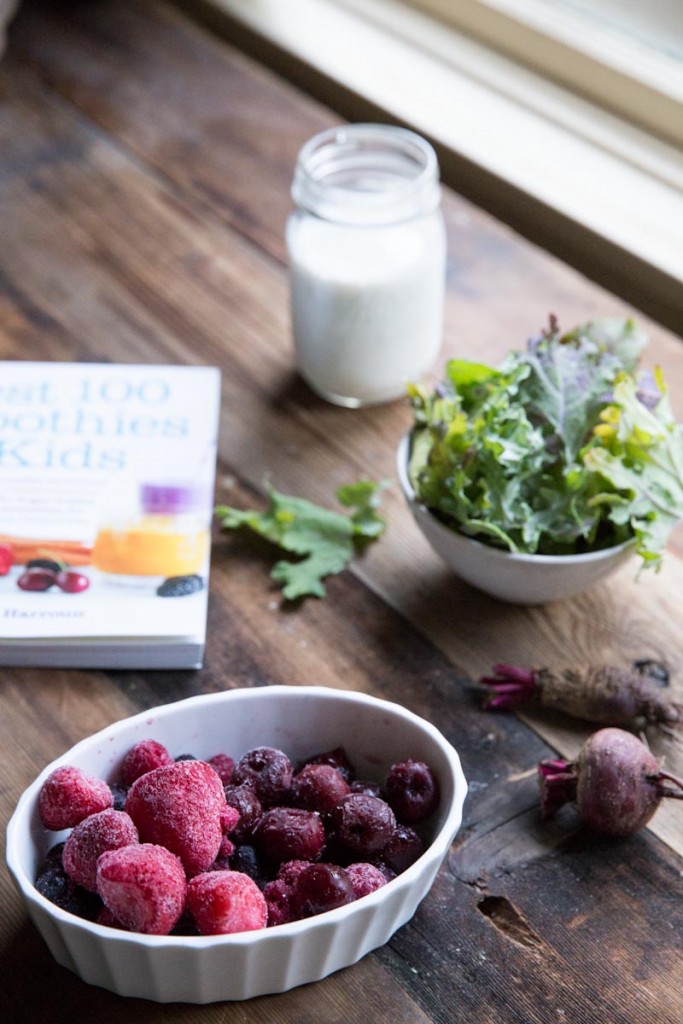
[144,186]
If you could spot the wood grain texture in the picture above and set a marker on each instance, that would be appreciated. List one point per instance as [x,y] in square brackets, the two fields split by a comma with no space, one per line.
[144,176]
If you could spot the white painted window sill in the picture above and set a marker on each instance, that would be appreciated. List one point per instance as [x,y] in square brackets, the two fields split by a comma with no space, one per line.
[601,193]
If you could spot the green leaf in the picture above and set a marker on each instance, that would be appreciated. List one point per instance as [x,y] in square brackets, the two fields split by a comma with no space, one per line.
[325,540]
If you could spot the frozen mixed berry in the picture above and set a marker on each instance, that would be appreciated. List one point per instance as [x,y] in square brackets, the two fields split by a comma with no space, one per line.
[366,786]
[268,771]
[55,885]
[143,886]
[180,586]
[319,888]
[362,824]
[182,807]
[290,833]
[224,902]
[226,851]
[336,758]
[224,765]
[276,895]
[403,849]
[106,918]
[289,870]
[411,791]
[106,830]
[143,757]
[119,793]
[68,796]
[244,799]
[318,787]
[250,862]
[365,878]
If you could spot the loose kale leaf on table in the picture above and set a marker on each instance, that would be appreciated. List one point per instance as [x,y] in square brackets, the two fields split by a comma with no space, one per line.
[325,540]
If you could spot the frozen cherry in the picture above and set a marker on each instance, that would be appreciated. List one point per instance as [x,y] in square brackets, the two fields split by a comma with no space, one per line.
[244,799]
[363,824]
[337,758]
[403,849]
[318,787]
[320,887]
[290,833]
[411,791]
[268,771]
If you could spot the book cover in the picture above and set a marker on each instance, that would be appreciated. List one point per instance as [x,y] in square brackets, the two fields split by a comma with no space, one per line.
[106,497]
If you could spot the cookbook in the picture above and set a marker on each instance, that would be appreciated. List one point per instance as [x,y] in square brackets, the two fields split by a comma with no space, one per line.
[106,497]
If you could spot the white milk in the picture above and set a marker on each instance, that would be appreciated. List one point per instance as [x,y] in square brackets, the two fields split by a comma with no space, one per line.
[367,253]
[367,305]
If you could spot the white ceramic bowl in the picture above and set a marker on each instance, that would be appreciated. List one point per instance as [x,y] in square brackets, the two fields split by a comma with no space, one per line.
[517,578]
[300,720]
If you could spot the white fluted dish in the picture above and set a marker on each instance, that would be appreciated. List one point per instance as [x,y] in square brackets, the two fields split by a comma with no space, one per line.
[301,720]
[516,578]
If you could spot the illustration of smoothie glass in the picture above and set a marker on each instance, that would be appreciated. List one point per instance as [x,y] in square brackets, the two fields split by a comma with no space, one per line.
[165,534]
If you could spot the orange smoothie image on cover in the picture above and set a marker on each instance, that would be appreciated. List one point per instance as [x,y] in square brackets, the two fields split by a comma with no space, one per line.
[167,537]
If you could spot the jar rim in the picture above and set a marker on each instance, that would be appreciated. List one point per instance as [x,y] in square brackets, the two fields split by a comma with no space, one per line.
[367,174]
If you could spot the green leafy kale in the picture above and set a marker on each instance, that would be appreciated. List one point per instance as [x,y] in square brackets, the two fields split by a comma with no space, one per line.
[325,540]
[562,449]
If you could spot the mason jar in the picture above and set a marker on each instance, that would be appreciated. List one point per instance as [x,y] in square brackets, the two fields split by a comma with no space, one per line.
[367,256]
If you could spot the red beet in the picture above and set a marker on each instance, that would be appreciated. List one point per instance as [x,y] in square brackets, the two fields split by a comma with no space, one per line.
[615,781]
[601,693]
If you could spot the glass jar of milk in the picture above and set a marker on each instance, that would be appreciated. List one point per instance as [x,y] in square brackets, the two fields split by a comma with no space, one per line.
[367,253]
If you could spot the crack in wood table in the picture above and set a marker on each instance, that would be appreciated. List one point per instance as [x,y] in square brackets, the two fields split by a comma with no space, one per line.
[144,186]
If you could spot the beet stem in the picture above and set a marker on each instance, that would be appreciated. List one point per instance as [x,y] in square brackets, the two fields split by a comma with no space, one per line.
[509,687]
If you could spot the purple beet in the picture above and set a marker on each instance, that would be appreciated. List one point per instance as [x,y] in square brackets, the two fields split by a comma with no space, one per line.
[615,781]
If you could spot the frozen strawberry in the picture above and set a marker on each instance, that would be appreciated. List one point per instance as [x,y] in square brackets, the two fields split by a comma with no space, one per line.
[143,887]
[182,807]
[143,757]
[106,830]
[365,878]
[68,796]
[223,902]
